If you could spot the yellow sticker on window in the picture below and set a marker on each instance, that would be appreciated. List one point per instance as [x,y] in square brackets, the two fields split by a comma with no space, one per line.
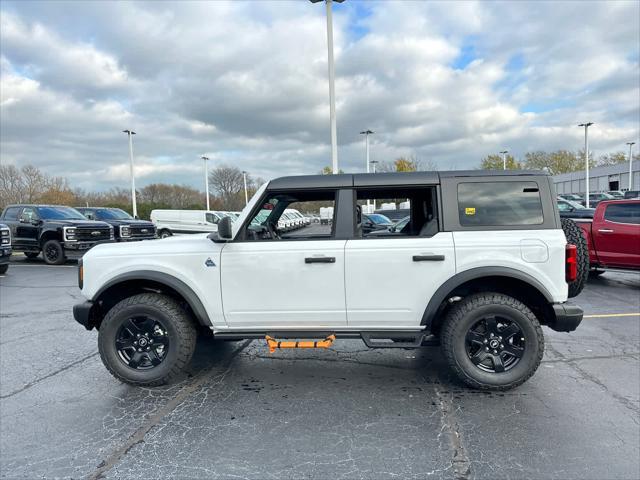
[470,211]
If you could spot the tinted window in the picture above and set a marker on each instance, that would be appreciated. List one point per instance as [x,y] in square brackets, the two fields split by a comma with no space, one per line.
[11,213]
[499,203]
[210,218]
[111,214]
[624,213]
[60,213]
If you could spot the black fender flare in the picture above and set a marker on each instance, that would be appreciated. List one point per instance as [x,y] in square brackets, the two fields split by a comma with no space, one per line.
[472,274]
[165,279]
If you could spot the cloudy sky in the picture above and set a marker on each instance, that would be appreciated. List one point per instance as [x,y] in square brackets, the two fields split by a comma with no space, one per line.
[245,83]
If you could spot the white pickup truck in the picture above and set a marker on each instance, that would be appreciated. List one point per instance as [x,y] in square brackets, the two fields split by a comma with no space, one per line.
[479,266]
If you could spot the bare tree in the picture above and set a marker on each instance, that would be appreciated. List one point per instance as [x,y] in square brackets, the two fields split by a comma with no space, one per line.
[228,183]
[34,183]
[11,185]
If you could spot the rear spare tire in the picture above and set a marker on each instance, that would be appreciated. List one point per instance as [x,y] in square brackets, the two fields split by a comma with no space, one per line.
[492,341]
[575,235]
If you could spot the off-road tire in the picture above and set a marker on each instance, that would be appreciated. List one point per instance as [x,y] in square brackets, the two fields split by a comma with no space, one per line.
[465,314]
[180,329]
[31,255]
[47,253]
[575,235]
[4,268]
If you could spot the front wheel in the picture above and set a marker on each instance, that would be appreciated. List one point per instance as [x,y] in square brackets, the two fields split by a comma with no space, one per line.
[164,233]
[492,341]
[146,339]
[53,253]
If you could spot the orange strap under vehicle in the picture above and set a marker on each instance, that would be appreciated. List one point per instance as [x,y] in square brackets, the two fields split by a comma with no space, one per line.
[273,343]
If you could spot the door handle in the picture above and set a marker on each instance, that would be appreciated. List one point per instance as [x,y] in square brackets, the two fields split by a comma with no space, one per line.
[428,258]
[605,230]
[320,260]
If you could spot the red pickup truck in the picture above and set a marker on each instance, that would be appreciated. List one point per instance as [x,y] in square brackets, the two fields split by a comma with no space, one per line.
[613,236]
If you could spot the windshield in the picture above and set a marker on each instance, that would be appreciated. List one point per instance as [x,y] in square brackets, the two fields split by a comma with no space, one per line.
[59,213]
[379,219]
[575,205]
[112,214]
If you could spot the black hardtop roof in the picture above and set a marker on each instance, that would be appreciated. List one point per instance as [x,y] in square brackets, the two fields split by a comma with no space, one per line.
[346,180]
[37,205]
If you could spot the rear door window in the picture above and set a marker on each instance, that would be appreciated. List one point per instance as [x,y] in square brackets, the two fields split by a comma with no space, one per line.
[499,203]
[12,213]
[623,213]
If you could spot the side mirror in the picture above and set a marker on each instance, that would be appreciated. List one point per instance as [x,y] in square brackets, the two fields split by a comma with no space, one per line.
[224,229]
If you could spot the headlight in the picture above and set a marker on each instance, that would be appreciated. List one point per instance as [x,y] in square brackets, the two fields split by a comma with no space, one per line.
[70,234]
[125,230]
[6,237]
[111,237]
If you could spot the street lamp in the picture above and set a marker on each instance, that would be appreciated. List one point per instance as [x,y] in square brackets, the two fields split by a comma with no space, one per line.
[206,179]
[332,89]
[504,159]
[366,134]
[244,179]
[130,134]
[586,158]
[631,144]
[373,162]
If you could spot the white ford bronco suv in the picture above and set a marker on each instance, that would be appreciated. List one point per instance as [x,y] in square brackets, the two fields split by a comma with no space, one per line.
[479,266]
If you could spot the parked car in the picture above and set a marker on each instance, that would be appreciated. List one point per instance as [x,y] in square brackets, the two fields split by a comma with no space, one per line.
[57,231]
[125,227]
[570,209]
[631,194]
[375,221]
[395,229]
[572,196]
[5,248]
[496,267]
[395,215]
[170,222]
[613,236]
[617,194]
[595,198]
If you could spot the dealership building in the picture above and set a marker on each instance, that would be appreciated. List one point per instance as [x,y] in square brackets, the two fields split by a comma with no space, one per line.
[601,179]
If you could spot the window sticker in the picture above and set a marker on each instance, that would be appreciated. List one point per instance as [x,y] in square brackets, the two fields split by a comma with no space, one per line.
[470,211]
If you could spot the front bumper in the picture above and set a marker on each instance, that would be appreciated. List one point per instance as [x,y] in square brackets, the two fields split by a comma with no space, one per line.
[135,239]
[77,249]
[568,317]
[82,314]
[5,254]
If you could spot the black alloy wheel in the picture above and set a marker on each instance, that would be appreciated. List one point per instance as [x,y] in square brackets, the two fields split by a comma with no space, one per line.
[53,253]
[142,342]
[495,344]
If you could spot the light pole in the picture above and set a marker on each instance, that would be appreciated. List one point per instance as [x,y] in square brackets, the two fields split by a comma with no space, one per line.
[586,159]
[332,88]
[206,179]
[244,180]
[504,159]
[130,134]
[631,144]
[366,134]
[373,164]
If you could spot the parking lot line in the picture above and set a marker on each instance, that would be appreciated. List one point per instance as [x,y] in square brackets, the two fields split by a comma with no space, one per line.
[610,315]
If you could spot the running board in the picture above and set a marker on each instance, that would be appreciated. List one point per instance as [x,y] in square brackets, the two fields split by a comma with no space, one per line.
[372,339]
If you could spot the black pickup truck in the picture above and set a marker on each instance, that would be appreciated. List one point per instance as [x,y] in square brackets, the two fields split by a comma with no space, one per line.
[126,228]
[5,247]
[58,232]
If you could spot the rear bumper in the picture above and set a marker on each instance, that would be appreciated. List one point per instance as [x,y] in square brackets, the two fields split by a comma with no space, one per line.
[82,314]
[568,317]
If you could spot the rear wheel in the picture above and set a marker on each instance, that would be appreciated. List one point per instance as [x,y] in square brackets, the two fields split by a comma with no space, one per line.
[576,236]
[31,255]
[4,268]
[53,253]
[146,339]
[492,341]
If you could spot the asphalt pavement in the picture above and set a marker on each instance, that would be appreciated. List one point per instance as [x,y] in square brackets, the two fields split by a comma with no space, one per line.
[347,412]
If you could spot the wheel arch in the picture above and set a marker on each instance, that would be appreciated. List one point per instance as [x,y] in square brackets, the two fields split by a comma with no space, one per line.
[505,280]
[132,283]
[50,234]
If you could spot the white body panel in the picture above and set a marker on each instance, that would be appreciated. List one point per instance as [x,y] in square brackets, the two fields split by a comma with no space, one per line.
[182,257]
[269,285]
[385,287]
[538,253]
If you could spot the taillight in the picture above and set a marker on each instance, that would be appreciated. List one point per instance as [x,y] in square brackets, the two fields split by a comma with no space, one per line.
[571,265]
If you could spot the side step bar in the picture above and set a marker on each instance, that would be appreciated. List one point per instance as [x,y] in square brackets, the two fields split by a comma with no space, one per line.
[372,339]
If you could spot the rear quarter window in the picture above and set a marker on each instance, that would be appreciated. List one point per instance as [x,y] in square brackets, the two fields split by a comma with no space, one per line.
[11,213]
[499,203]
[623,213]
